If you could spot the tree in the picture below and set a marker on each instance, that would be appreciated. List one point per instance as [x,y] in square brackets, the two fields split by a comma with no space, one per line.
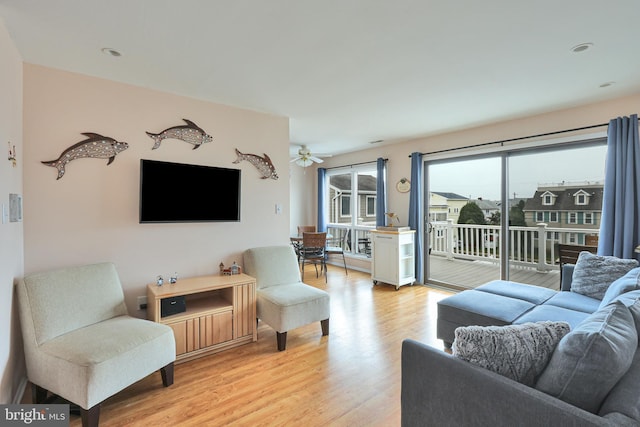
[471,214]
[495,218]
[516,215]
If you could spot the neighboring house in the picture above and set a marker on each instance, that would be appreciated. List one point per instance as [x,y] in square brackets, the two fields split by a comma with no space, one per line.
[488,207]
[575,205]
[444,206]
[340,194]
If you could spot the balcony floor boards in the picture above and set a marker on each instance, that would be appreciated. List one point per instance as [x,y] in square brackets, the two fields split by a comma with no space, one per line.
[470,274]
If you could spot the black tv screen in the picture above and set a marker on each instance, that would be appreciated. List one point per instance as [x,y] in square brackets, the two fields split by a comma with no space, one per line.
[177,192]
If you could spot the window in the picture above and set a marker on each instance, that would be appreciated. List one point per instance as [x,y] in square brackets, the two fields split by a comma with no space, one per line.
[548,198]
[553,216]
[345,205]
[588,218]
[539,216]
[573,238]
[581,198]
[350,206]
[371,206]
[572,218]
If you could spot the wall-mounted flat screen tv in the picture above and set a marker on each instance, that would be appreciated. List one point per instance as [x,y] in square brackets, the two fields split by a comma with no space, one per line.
[177,192]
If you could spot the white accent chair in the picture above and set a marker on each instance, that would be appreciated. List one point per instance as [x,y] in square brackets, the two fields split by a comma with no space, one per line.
[79,341]
[283,301]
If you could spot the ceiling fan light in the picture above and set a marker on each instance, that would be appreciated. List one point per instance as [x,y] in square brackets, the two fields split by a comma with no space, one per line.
[304,162]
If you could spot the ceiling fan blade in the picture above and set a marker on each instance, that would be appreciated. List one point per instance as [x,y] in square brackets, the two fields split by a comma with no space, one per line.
[294,159]
[315,159]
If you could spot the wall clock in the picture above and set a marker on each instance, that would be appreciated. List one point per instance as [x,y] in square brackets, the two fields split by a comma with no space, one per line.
[404,185]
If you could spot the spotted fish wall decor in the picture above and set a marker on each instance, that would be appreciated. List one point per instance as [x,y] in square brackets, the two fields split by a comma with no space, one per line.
[95,146]
[263,164]
[190,133]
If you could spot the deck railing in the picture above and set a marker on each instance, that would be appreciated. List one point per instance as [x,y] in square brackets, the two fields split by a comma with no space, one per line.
[532,247]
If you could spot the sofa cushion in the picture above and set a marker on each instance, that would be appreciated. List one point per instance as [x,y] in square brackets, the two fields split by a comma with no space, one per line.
[574,301]
[554,314]
[630,299]
[521,291]
[594,273]
[628,282]
[519,352]
[624,397]
[590,360]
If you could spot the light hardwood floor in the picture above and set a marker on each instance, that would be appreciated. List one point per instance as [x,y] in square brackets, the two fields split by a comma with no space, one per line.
[349,378]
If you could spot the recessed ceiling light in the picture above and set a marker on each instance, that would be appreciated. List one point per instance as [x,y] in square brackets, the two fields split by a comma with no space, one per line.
[581,47]
[607,84]
[111,52]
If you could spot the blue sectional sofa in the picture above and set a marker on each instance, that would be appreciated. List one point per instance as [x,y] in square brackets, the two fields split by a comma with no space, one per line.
[504,303]
[591,378]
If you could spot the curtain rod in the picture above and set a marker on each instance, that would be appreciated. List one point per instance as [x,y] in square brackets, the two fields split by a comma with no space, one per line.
[355,164]
[515,139]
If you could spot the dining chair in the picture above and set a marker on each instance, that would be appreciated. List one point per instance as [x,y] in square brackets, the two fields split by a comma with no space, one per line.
[306,228]
[336,247]
[313,251]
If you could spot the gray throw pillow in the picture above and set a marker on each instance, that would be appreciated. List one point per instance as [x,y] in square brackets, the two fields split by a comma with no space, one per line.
[593,274]
[519,352]
[590,360]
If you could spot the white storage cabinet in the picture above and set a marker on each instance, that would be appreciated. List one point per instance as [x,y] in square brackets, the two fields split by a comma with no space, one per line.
[393,257]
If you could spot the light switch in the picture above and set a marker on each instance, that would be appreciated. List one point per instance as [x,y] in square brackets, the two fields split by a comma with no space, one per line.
[278,208]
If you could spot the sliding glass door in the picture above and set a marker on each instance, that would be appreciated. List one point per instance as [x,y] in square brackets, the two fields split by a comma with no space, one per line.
[555,197]
[502,216]
[463,221]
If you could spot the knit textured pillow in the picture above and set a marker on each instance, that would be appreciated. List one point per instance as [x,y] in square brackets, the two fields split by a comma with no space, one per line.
[520,352]
[593,274]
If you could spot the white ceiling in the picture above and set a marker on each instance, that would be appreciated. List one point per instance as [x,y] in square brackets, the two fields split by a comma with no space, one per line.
[347,72]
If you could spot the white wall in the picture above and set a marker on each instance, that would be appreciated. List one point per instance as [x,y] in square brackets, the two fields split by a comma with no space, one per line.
[303,197]
[91,213]
[11,233]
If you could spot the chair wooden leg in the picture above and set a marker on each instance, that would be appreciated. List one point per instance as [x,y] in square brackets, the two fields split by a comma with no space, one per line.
[38,394]
[345,264]
[324,324]
[282,340]
[91,416]
[167,374]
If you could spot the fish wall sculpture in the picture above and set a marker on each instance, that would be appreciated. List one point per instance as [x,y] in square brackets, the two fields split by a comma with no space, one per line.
[95,146]
[190,133]
[263,164]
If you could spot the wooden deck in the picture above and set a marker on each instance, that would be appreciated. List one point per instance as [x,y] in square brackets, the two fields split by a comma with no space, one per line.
[470,274]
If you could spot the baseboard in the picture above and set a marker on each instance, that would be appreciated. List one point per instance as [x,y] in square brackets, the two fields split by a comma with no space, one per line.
[17,398]
[350,267]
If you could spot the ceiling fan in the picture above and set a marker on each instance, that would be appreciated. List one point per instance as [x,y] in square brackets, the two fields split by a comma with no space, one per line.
[305,158]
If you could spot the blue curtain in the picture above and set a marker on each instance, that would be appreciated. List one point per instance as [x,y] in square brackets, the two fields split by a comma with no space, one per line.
[416,212]
[621,205]
[322,220]
[381,194]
